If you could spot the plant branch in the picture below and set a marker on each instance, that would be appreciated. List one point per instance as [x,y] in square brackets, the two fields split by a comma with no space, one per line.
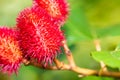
[68,54]
[72,66]
[76,69]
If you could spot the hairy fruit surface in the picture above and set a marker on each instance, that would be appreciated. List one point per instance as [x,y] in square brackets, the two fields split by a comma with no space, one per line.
[55,8]
[40,36]
[10,54]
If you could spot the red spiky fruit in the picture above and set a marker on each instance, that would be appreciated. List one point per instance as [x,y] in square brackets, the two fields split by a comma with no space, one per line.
[40,36]
[55,8]
[10,54]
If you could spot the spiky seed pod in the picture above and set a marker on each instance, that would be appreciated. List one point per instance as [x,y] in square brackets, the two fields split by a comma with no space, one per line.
[10,54]
[55,8]
[40,38]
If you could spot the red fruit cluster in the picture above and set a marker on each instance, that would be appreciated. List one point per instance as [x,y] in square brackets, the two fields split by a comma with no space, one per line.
[38,35]
[10,54]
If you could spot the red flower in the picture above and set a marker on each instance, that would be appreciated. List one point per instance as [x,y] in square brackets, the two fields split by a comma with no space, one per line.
[55,8]
[10,54]
[40,36]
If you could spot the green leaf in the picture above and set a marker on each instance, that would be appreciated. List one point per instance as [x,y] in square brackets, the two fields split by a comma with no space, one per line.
[117,48]
[96,78]
[109,31]
[116,54]
[111,59]
[77,23]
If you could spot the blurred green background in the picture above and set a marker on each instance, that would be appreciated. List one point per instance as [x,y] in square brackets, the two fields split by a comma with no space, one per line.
[88,20]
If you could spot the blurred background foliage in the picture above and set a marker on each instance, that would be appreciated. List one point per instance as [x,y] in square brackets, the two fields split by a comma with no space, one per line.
[88,20]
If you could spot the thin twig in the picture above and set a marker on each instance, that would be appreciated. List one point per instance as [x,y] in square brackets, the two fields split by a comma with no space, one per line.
[98,48]
[97,45]
[68,54]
